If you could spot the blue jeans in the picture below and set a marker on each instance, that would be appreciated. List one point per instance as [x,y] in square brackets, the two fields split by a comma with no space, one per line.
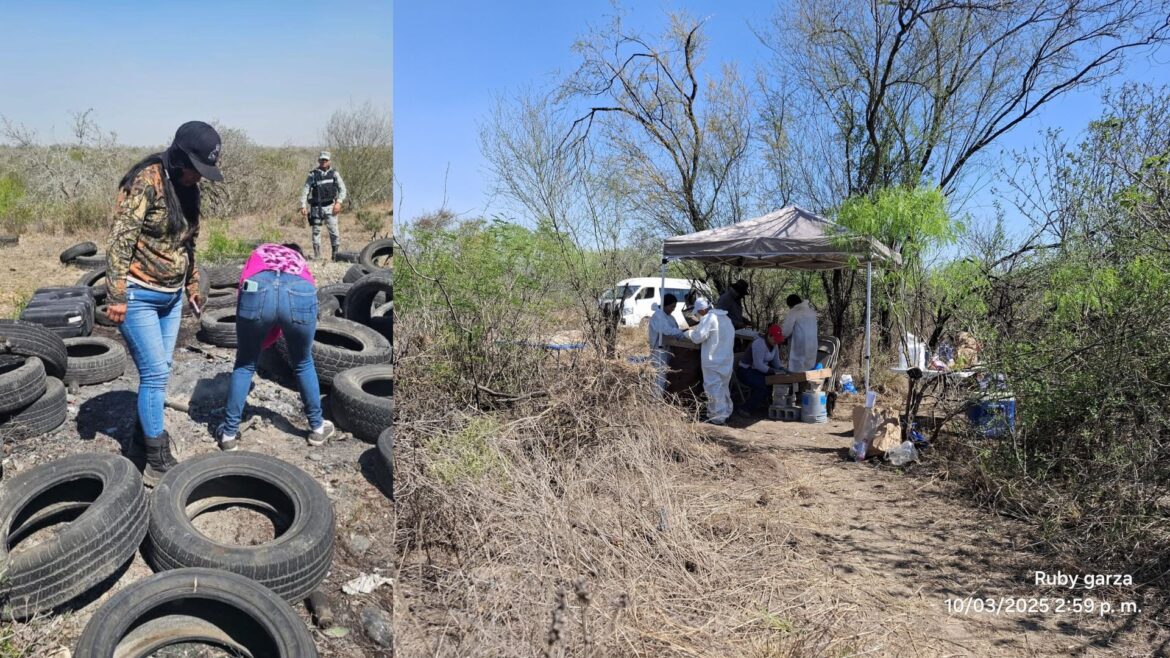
[754,379]
[283,300]
[150,329]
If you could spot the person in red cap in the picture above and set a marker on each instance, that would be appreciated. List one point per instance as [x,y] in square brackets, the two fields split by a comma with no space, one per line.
[761,360]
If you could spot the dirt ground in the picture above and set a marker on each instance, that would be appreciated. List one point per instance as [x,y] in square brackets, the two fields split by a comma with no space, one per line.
[880,552]
[101,419]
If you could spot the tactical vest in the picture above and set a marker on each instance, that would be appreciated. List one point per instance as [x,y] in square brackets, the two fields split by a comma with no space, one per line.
[323,188]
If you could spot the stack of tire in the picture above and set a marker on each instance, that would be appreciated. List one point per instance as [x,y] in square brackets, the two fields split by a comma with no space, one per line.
[85,256]
[362,399]
[33,362]
[218,324]
[203,590]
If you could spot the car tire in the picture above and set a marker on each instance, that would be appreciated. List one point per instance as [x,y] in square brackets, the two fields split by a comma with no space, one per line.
[373,288]
[28,339]
[385,460]
[346,256]
[78,250]
[101,497]
[94,262]
[377,254]
[101,315]
[218,326]
[292,565]
[9,240]
[22,382]
[220,298]
[94,360]
[356,272]
[93,279]
[39,418]
[328,307]
[384,326]
[335,292]
[192,606]
[340,345]
[363,400]
[224,276]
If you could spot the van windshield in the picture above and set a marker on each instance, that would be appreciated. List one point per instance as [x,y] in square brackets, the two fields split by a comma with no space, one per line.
[617,293]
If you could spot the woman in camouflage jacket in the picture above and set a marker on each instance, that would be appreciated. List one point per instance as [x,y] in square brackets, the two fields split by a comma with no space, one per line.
[151,261]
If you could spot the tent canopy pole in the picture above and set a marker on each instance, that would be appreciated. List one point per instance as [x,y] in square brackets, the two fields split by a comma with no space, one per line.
[662,281]
[868,301]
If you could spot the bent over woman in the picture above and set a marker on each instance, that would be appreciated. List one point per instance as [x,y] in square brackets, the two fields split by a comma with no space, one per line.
[149,263]
[278,295]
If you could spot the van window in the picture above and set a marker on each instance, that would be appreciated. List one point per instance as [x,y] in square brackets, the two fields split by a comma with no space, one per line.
[646,293]
[679,293]
[616,293]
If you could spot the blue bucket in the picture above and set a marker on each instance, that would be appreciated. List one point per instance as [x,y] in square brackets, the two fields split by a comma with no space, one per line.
[993,416]
[812,407]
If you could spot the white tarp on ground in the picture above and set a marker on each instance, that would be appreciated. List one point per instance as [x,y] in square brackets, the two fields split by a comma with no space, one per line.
[790,238]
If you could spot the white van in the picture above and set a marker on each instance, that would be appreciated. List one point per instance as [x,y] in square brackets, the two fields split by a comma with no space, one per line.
[643,293]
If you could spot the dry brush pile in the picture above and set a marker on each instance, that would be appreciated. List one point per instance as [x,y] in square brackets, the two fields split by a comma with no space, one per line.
[574,514]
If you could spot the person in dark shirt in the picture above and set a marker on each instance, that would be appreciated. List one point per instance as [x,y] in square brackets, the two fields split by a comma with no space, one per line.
[732,301]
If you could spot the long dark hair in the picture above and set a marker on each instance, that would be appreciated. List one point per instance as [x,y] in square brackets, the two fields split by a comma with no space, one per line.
[182,202]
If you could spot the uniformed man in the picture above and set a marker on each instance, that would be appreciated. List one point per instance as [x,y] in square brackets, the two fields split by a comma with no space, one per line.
[321,200]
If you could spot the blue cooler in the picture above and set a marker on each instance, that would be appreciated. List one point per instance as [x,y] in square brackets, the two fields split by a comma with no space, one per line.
[993,416]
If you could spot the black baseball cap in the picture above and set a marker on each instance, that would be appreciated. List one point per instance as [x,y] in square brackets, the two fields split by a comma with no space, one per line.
[201,144]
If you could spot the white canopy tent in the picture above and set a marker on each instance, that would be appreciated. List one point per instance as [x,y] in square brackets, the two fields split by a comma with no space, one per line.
[788,238]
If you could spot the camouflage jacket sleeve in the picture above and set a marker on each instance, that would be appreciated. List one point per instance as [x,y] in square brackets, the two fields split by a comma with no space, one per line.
[129,211]
[192,267]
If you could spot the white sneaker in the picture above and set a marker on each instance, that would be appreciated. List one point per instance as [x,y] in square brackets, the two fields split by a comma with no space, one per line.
[322,434]
[227,443]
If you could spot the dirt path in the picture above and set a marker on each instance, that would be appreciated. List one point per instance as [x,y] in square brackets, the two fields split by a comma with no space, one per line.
[880,552]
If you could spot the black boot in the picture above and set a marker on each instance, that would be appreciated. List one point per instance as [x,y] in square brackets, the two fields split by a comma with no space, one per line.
[159,459]
[316,252]
[336,248]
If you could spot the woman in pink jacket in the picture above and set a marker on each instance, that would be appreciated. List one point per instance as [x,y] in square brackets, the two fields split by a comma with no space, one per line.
[277,295]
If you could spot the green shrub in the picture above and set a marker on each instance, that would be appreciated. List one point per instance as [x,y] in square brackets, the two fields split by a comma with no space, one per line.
[221,247]
[11,192]
[467,455]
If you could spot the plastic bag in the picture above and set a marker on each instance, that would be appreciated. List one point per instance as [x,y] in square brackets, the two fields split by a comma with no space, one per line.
[903,454]
[847,384]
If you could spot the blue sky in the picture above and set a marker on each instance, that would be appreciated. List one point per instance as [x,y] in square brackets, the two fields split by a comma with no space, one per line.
[278,70]
[455,58]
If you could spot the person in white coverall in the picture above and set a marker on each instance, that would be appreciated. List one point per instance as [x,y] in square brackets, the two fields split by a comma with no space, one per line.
[717,336]
[662,324]
[800,326]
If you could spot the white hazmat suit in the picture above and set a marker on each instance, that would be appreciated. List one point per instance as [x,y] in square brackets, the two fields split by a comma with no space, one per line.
[800,325]
[661,326]
[716,334]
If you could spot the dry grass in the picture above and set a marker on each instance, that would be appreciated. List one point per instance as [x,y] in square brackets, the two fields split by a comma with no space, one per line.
[591,522]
